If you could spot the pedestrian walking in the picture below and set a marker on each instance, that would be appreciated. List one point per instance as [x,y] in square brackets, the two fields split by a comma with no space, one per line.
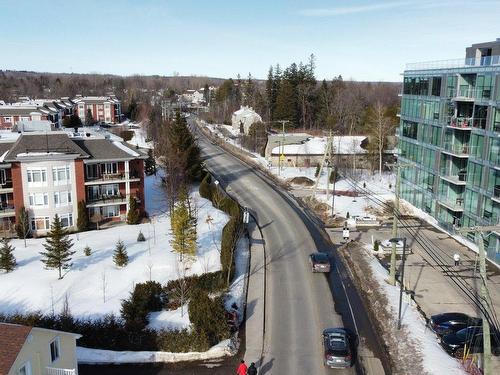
[252,370]
[456,258]
[242,368]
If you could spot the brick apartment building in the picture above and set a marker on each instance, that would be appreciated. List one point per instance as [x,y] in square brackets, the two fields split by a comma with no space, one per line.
[49,173]
[104,108]
[53,110]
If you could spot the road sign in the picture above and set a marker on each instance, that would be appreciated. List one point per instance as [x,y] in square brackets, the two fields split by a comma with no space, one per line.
[282,157]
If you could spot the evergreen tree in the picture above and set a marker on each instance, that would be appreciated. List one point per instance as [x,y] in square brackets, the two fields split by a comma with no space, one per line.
[58,248]
[120,256]
[7,259]
[82,222]
[183,224]
[133,109]
[206,94]
[133,215]
[286,103]
[89,119]
[150,164]
[23,229]
[87,251]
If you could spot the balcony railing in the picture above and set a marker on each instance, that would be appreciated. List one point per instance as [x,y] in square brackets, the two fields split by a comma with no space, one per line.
[455,204]
[6,184]
[462,149]
[113,176]
[469,93]
[455,63]
[104,198]
[460,122]
[60,371]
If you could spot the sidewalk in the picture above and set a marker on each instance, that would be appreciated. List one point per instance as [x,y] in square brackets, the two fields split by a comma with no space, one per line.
[255,307]
[434,290]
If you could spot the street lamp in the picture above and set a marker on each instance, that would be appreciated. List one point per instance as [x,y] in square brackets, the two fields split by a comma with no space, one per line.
[395,241]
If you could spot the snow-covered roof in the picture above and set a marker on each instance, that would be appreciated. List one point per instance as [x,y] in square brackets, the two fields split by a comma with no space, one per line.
[344,145]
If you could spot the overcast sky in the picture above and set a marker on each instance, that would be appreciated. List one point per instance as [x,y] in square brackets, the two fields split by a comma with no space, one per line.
[359,39]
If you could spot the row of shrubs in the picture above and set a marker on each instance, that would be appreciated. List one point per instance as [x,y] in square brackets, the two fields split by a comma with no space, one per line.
[232,230]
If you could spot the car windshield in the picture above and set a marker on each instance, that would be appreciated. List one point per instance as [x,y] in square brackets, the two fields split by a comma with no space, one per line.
[321,258]
[467,333]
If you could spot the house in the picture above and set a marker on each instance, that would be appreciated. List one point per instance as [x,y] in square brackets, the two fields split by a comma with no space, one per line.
[49,173]
[244,117]
[103,108]
[28,350]
[310,152]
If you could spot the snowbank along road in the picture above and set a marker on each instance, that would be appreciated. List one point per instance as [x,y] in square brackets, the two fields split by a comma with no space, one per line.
[299,304]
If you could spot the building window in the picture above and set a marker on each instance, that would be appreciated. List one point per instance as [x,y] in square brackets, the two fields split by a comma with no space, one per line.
[111,211]
[61,175]
[40,223]
[39,199]
[62,198]
[54,350]
[37,176]
[111,168]
[25,369]
[3,177]
[66,220]
[111,190]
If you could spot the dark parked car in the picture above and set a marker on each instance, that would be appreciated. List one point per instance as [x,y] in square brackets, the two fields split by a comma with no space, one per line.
[454,343]
[319,262]
[444,324]
[337,348]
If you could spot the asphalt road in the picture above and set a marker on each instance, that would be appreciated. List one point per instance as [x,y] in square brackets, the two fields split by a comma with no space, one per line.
[299,304]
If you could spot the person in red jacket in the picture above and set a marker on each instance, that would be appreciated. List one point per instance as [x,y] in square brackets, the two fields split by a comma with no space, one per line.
[242,368]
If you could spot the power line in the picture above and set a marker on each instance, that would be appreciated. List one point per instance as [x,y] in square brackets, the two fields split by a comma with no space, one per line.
[427,247]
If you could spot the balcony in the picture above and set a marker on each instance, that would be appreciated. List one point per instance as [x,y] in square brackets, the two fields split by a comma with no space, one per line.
[455,63]
[462,123]
[7,210]
[60,371]
[105,200]
[460,150]
[496,194]
[107,178]
[455,204]
[460,179]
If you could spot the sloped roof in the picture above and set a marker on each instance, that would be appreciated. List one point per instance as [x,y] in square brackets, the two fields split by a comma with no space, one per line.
[103,149]
[343,145]
[50,142]
[12,338]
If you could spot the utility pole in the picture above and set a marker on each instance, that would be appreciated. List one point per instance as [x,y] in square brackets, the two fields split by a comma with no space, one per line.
[392,268]
[282,148]
[485,311]
[326,154]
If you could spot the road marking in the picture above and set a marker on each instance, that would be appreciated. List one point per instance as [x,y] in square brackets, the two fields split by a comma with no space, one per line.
[349,303]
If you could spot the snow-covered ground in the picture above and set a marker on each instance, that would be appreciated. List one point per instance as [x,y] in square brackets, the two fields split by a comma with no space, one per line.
[94,286]
[139,137]
[435,359]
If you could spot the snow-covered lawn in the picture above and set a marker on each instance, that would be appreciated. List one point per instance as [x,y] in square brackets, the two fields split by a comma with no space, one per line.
[435,359]
[94,286]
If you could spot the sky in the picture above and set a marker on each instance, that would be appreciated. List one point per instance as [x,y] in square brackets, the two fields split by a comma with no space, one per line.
[358,39]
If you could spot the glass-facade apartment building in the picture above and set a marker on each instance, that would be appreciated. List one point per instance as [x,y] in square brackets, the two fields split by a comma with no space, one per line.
[449,140]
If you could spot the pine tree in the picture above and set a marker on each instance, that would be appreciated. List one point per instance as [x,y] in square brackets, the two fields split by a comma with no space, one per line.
[23,224]
[7,259]
[150,163]
[87,251]
[133,216]
[183,223]
[120,256]
[89,120]
[58,248]
[82,222]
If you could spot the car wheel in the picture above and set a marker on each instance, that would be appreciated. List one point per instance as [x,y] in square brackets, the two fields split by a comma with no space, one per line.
[459,353]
